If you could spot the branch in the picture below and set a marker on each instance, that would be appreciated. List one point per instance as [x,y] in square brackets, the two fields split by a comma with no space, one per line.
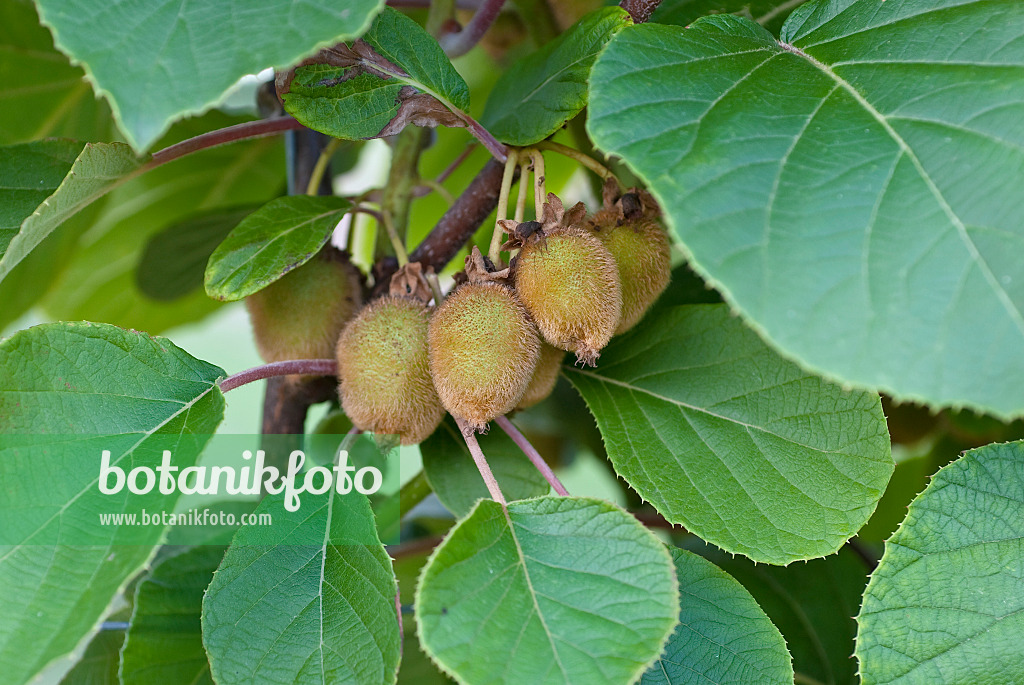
[250,129]
[305,367]
[531,452]
[455,227]
[456,44]
[640,10]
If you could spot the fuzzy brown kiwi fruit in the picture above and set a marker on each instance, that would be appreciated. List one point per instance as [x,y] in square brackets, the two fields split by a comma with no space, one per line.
[567,280]
[544,376]
[483,349]
[384,374]
[301,314]
[628,227]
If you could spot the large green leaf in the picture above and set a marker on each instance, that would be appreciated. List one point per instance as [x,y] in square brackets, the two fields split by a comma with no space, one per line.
[158,61]
[565,590]
[853,190]
[723,636]
[101,283]
[812,604]
[768,13]
[453,475]
[310,599]
[68,392]
[96,169]
[356,102]
[945,603]
[730,440]
[542,91]
[41,94]
[165,642]
[278,237]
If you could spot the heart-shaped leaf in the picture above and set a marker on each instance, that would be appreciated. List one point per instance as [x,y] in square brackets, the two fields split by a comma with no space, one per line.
[725,437]
[157,62]
[945,603]
[310,599]
[542,91]
[68,392]
[565,589]
[853,189]
[281,235]
[745,648]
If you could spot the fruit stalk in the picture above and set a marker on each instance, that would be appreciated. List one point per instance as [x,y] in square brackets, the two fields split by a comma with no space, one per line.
[494,252]
[532,454]
[468,434]
[303,367]
[583,159]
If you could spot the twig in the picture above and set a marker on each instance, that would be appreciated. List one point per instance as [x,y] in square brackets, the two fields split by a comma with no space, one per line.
[250,129]
[865,554]
[506,185]
[450,169]
[584,159]
[455,227]
[469,435]
[304,367]
[313,186]
[456,44]
[531,452]
[640,10]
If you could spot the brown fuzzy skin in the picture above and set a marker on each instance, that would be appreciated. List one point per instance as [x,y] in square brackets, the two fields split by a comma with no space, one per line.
[301,314]
[642,253]
[569,283]
[385,383]
[483,350]
[544,376]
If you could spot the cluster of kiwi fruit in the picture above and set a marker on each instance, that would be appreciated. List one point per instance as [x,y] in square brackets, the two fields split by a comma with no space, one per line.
[496,342]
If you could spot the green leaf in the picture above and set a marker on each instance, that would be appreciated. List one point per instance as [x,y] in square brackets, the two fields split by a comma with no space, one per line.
[453,475]
[100,284]
[566,590]
[812,604]
[853,191]
[768,13]
[314,603]
[355,102]
[281,235]
[41,94]
[945,603]
[95,170]
[727,438]
[174,260]
[67,392]
[547,88]
[157,62]
[100,661]
[165,642]
[723,636]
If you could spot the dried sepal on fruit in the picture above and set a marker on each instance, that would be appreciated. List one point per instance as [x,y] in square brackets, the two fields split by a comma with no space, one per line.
[567,280]
[301,314]
[383,370]
[549,363]
[483,348]
[629,228]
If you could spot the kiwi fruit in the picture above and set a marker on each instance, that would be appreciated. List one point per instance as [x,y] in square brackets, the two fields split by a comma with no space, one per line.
[567,280]
[383,370]
[544,376]
[628,227]
[483,350]
[301,314]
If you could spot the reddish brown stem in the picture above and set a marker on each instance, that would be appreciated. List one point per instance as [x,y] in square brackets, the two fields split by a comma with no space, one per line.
[250,129]
[532,454]
[456,44]
[304,367]
[640,10]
